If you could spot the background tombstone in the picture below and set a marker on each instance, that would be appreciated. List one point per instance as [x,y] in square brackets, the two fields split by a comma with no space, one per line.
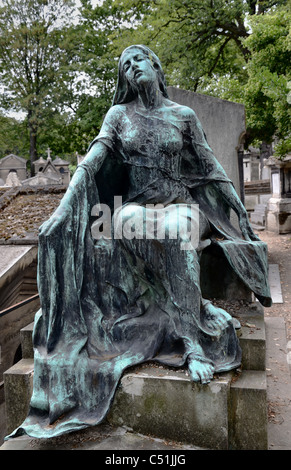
[224,125]
[13,163]
[63,168]
[279,205]
[50,171]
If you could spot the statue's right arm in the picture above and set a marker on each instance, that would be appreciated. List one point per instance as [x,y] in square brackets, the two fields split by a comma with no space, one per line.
[92,162]
[96,156]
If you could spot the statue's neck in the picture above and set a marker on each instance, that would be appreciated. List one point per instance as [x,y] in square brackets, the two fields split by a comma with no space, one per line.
[149,96]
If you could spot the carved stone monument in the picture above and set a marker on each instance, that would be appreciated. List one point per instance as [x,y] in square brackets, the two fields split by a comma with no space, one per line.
[279,205]
[13,164]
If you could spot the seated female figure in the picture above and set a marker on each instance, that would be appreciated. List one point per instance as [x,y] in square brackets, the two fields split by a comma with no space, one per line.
[131,295]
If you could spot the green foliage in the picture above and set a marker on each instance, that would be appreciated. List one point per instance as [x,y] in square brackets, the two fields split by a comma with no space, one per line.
[62,73]
[192,38]
[233,49]
[283,148]
[266,92]
[36,52]
[13,137]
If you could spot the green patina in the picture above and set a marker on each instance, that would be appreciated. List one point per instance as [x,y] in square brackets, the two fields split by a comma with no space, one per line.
[110,304]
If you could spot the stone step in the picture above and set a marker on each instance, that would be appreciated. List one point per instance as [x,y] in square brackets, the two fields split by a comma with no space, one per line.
[164,403]
[253,341]
[18,385]
[26,341]
[258,227]
[228,413]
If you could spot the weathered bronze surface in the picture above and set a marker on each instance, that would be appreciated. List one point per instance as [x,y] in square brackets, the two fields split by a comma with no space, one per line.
[111,303]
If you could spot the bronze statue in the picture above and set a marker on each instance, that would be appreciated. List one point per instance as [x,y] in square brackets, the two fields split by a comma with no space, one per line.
[114,301]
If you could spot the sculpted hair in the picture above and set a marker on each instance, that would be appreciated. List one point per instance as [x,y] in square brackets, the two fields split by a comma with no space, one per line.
[124,92]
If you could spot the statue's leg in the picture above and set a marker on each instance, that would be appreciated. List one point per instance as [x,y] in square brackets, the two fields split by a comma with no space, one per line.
[178,270]
[183,266]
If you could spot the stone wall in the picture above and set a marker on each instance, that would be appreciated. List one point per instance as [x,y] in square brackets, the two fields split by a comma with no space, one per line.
[223,123]
[17,285]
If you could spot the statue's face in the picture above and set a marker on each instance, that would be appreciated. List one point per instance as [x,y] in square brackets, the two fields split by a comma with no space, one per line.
[138,68]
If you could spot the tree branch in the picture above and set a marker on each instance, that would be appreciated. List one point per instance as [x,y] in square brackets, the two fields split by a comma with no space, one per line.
[218,56]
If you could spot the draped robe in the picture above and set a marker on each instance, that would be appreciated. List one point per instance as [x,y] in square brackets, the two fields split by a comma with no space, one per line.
[109,304]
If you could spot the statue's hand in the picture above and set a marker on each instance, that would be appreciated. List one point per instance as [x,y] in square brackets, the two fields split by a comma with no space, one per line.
[51,225]
[246,228]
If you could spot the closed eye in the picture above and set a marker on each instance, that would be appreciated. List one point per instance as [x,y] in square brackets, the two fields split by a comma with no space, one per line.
[126,66]
[139,57]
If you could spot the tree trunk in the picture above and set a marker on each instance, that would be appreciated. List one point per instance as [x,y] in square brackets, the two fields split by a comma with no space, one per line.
[32,149]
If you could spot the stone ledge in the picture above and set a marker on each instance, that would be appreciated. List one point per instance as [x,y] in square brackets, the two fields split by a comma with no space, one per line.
[253,342]
[228,413]
[18,384]
[248,418]
[166,404]
[26,341]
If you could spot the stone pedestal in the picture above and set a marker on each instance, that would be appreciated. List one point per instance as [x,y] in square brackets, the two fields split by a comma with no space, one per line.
[279,215]
[18,385]
[228,413]
[279,206]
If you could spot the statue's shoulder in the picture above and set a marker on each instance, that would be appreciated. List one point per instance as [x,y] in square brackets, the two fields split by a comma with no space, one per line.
[115,113]
[181,111]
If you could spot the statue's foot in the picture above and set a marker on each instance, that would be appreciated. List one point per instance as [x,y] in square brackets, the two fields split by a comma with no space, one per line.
[215,318]
[200,371]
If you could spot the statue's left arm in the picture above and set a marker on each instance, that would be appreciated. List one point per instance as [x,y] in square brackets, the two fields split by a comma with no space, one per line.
[213,171]
[230,196]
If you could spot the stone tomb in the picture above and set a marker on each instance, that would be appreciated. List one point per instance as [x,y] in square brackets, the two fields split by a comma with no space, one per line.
[55,171]
[279,205]
[14,168]
[224,125]
[228,413]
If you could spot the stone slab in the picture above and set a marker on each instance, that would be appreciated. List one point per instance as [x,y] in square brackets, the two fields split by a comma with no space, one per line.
[26,341]
[275,284]
[14,258]
[248,417]
[228,413]
[18,384]
[102,437]
[168,405]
